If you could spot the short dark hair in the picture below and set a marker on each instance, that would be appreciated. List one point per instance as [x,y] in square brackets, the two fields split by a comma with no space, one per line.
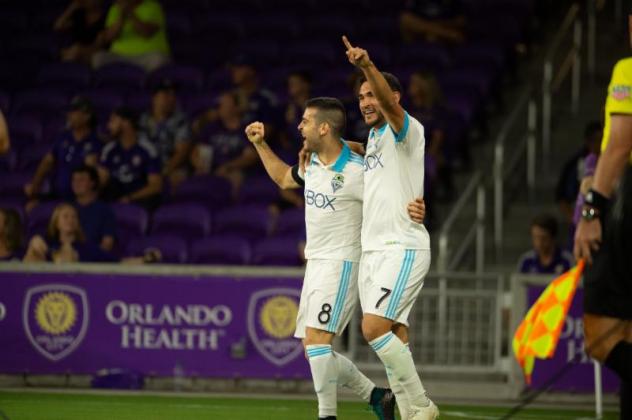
[331,111]
[91,171]
[546,222]
[128,114]
[391,79]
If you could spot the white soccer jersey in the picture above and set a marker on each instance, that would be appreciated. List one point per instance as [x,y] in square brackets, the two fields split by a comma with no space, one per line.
[393,177]
[333,207]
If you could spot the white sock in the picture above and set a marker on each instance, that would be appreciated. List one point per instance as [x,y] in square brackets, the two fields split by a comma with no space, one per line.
[400,370]
[325,377]
[350,376]
[402,399]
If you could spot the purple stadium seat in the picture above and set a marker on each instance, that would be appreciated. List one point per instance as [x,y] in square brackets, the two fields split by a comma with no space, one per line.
[120,75]
[308,53]
[40,102]
[421,55]
[185,77]
[479,53]
[252,222]
[277,251]
[104,101]
[280,26]
[314,28]
[172,248]
[222,250]
[30,157]
[131,221]
[463,104]
[69,76]
[187,220]
[260,51]
[468,78]
[39,217]
[24,130]
[258,190]
[211,191]
[291,223]
[218,80]
[196,103]
[139,101]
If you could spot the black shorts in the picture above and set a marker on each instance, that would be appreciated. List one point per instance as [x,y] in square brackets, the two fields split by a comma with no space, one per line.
[608,282]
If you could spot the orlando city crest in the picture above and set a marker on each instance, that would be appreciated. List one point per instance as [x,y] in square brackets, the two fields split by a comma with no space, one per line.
[272,322]
[337,182]
[55,318]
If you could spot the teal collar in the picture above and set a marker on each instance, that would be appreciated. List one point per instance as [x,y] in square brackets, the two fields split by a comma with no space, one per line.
[343,158]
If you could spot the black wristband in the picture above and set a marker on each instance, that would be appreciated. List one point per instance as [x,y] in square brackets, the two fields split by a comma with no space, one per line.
[596,200]
[296,176]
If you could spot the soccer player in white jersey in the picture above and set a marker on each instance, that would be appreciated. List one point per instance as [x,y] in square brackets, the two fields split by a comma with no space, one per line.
[395,251]
[333,183]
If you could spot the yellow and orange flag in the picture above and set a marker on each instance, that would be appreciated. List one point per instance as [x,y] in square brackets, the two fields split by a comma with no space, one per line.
[540,330]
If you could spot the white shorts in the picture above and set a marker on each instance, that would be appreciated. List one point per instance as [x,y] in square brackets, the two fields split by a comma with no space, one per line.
[390,281]
[329,296]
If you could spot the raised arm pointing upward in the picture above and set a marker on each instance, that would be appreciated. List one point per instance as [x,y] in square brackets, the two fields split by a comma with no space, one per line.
[379,96]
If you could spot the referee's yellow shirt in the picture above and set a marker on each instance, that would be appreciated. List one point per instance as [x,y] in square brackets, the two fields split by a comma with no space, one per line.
[619,99]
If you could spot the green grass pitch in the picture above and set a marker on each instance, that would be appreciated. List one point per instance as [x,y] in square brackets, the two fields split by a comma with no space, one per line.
[68,406]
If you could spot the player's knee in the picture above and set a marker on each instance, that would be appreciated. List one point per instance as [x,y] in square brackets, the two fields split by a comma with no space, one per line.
[315,337]
[372,329]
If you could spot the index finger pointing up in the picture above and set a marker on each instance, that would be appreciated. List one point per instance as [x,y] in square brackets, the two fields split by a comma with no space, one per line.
[346,42]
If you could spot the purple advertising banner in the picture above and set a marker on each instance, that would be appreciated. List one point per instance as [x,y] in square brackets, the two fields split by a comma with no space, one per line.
[581,376]
[158,325]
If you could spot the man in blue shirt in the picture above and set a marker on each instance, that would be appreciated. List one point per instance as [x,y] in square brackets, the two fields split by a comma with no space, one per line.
[130,166]
[546,257]
[78,145]
[96,217]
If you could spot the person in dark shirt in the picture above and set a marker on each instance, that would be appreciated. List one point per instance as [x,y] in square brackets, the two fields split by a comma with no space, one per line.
[65,241]
[168,128]
[78,145]
[10,235]
[97,218]
[130,166]
[546,257]
[574,168]
[221,148]
[433,20]
[82,21]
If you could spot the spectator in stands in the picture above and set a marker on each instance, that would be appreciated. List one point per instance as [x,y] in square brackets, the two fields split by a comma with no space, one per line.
[136,32]
[574,168]
[426,104]
[82,21]
[222,148]
[546,257]
[5,142]
[299,88]
[97,218]
[130,166]
[167,127]
[79,144]
[256,103]
[432,20]
[65,243]
[10,235]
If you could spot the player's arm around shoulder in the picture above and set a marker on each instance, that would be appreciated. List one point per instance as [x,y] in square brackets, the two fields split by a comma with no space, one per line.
[280,172]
